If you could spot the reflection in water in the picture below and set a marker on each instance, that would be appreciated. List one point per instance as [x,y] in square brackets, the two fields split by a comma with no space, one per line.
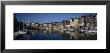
[56,35]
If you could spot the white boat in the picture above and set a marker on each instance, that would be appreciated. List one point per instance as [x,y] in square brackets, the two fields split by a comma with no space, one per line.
[93,31]
[20,32]
[83,30]
[24,31]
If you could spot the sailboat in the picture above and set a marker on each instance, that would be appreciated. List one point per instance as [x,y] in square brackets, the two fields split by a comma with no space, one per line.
[20,32]
[24,30]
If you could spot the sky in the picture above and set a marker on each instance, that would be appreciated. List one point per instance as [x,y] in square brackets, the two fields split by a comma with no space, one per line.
[47,17]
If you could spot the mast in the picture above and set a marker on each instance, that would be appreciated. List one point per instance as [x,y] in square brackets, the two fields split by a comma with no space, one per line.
[23,26]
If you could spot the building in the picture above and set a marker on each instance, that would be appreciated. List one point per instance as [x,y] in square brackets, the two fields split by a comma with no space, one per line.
[74,23]
[81,21]
[45,24]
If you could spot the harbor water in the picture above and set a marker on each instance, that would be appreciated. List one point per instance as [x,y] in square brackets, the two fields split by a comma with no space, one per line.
[56,35]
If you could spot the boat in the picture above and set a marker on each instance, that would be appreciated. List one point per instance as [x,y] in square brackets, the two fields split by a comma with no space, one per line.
[92,31]
[20,32]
